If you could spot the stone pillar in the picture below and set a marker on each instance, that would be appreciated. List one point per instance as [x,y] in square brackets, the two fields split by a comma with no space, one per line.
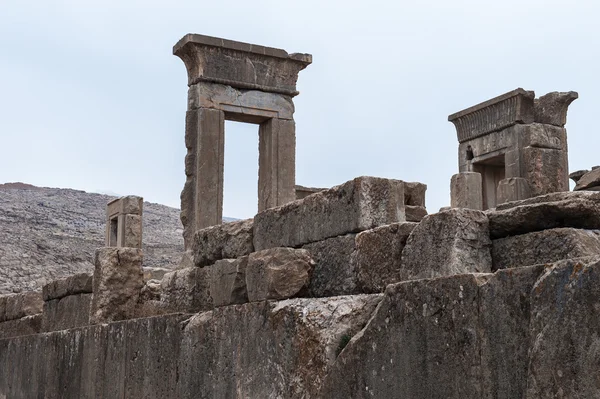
[124,222]
[466,191]
[513,189]
[277,163]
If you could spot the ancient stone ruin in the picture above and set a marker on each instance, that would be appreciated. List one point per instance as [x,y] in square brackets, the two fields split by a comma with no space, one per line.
[348,292]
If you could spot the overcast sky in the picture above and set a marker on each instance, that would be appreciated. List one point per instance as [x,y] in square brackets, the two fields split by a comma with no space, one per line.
[92,98]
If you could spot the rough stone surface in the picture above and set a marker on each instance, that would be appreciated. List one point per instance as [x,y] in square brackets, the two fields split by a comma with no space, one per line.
[565,332]
[360,204]
[278,273]
[513,189]
[546,170]
[466,191]
[24,326]
[378,256]
[154,273]
[588,180]
[80,283]
[552,108]
[228,282]
[187,290]
[224,241]
[118,279]
[451,242]
[15,306]
[420,343]
[545,246]
[334,272]
[414,193]
[415,213]
[569,209]
[68,312]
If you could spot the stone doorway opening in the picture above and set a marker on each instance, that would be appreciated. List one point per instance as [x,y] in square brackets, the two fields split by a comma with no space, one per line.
[492,171]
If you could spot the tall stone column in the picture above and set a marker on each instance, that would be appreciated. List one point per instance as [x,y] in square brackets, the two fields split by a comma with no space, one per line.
[277,163]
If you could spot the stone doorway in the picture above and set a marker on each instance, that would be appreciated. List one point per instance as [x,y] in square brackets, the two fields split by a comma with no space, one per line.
[492,171]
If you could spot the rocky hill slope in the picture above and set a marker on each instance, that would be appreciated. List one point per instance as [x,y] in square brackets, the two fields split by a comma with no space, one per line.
[49,233]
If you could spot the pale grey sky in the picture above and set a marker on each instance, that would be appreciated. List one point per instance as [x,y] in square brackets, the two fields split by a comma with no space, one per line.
[92,98]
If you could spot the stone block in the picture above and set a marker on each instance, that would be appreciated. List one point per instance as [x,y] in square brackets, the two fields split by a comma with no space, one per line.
[118,279]
[16,306]
[421,342]
[278,273]
[228,282]
[446,243]
[512,189]
[67,312]
[466,191]
[223,241]
[187,290]
[130,204]
[546,170]
[579,210]
[133,231]
[155,273]
[545,246]
[588,180]
[564,331]
[540,136]
[303,192]
[334,272]
[414,193]
[26,325]
[378,256]
[357,205]
[415,213]
[81,283]
[552,108]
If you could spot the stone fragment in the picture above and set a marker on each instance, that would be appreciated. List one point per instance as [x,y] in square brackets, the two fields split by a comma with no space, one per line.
[26,325]
[546,170]
[334,272]
[579,209]
[552,108]
[545,246]
[360,204]
[588,180]
[466,191]
[378,255]
[80,283]
[16,306]
[513,189]
[446,243]
[564,331]
[228,282]
[155,273]
[67,312]
[303,192]
[187,290]
[278,273]
[504,304]
[223,241]
[575,176]
[415,213]
[421,342]
[414,193]
[118,279]
[124,222]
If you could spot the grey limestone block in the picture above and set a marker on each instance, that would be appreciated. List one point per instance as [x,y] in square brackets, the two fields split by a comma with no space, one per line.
[16,306]
[133,231]
[552,108]
[228,282]
[25,325]
[278,273]
[187,290]
[513,189]
[224,241]
[378,256]
[415,213]
[466,191]
[414,193]
[357,205]
[588,180]
[118,280]
[546,246]
[67,312]
[546,170]
[564,331]
[334,272]
[421,342]
[81,283]
[580,209]
[456,241]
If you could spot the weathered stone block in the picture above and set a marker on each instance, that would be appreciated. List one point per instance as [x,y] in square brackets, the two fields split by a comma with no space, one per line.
[357,205]
[278,273]
[133,231]
[378,256]
[552,107]
[26,325]
[187,290]
[579,209]
[16,306]
[421,342]
[513,189]
[446,243]
[565,331]
[118,279]
[414,194]
[81,283]
[466,191]
[588,180]
[228,282]
[546,170]
[545,246]
[67,312]
[155,273]
[415,213]
[224,241]
[334,272]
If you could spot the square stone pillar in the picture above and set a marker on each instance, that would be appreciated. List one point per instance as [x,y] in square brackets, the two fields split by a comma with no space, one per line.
[124,222]
[466,191]
[277,163]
